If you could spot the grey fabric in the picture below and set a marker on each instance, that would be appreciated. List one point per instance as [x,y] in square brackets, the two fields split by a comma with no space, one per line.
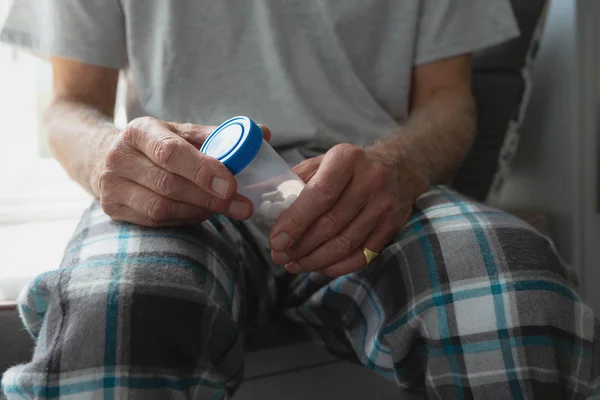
[501,84]
[321,71]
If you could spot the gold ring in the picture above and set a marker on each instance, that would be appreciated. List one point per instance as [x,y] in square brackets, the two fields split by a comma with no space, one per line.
[370,255]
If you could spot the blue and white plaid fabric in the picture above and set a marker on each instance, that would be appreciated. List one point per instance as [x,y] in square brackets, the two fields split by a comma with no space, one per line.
[467,302]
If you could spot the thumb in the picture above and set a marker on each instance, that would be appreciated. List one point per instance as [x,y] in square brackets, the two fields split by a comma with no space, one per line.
[197,134]
[266,132]
[308,168]
[194,134]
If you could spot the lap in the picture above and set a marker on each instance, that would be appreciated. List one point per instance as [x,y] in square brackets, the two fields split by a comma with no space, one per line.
[460,283]
[449,241]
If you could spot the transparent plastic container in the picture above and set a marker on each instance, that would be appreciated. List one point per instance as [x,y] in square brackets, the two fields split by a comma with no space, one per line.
[261,174]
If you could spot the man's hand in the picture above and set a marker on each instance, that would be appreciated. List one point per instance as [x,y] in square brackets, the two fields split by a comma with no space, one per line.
[354,198]
[357,198]
[154,175]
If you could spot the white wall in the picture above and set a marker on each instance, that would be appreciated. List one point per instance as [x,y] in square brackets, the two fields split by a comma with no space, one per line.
[588,154]
[555,166]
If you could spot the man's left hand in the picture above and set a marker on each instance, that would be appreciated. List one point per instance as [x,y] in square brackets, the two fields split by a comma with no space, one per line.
[354,198]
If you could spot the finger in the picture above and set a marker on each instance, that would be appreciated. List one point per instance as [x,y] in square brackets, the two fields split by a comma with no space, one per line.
[197,134]
[343,244]
[146,173]
[307,168]
[330,224]
[153,205]
[174,154]
[266,132]
[319,195]
[129,215]
[354,262]
[194,134]
[376,241]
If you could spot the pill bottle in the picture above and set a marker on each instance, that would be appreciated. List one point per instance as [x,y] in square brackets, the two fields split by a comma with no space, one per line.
[261,174]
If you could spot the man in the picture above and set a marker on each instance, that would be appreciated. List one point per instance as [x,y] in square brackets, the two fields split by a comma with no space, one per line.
[156,292]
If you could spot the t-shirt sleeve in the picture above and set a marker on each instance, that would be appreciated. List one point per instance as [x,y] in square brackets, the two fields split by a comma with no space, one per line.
[90,31]
[450,28]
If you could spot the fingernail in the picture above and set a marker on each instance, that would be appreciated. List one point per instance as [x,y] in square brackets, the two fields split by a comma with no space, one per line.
[280,258]
[293,268]
[239,209]
[280,242]
[220,186]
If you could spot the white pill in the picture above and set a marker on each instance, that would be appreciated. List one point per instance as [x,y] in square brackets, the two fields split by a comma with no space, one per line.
[272,196]
[289,200]
[264,207]
[275,210]
[290,187]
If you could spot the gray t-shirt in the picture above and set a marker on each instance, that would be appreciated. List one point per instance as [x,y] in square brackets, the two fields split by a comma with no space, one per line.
[318,72]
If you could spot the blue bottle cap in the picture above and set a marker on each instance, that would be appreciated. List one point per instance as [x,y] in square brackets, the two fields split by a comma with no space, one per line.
[235,143]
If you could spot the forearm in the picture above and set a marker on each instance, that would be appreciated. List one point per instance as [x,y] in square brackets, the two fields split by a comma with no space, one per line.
[436,137]
[80,136]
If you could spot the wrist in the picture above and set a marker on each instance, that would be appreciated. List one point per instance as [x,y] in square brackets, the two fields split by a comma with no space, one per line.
[94,179]
[80,137]
[97,164]
[412,170]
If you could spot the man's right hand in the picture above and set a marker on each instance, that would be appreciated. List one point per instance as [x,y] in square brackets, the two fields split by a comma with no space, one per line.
[154,175]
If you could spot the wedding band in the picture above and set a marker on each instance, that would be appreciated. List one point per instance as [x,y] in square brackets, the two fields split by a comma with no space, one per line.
[370,255]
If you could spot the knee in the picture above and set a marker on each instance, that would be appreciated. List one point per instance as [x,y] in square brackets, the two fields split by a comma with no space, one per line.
[153,271]
[539,292]
[498,247]
[185,262]
[501,274]
[520,249]
[518,290]
[161,294]
[525,277]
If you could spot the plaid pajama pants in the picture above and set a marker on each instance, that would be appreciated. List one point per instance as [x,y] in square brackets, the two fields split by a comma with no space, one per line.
[466,302]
